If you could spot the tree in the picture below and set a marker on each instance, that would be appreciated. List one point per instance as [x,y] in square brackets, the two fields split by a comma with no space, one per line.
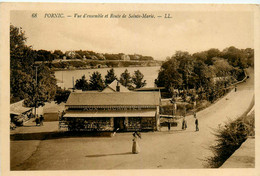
[211,53]
[168,76]
[96,82]
[232,54]
[21,85]
[125,79]
[200,56]
[82,84]
[61,95]
[203,73]
[250,56]
[138,79]
[186,66]
[45,88]
[58,54]
[23,75]
[17,41]
[44,55]
[110,76]
[222,67]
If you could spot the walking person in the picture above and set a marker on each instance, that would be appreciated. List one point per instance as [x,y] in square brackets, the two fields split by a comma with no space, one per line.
[184,123]
[37,120]
[135,147]
[41,120]
[197,124]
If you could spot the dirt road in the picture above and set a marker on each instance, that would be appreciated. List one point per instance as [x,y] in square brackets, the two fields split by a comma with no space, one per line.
[159,150]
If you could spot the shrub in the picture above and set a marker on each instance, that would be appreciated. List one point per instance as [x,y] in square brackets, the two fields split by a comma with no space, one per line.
[229,139]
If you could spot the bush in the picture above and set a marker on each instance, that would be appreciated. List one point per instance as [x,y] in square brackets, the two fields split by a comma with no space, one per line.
[229,139]
[168,109]
[202,105]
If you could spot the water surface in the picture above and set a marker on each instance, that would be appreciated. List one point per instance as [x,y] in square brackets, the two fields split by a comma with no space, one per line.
[150,74]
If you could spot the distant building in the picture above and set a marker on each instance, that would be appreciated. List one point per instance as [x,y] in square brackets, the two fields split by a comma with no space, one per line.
[115,86]
[125,57]
[108,111]
[137,57]
[101,56]
[70,54]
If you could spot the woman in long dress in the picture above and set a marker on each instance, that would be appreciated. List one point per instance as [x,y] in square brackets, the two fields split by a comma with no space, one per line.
[135,147]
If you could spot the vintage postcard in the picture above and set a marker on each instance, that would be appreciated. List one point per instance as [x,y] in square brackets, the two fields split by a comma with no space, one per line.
[123,89]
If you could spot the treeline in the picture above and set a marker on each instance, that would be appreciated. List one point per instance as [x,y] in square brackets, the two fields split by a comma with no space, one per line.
[44,55]
[91,64]
[96,82]
[208,73]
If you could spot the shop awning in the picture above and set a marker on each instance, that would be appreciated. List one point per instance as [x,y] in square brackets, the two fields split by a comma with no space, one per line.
[111,114]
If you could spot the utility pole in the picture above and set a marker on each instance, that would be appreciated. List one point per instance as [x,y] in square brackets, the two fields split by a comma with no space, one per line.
[73,86]
[36,67]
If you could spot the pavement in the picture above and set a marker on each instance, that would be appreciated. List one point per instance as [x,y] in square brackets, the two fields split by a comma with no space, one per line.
[30,127]
[159,150]
[244,157]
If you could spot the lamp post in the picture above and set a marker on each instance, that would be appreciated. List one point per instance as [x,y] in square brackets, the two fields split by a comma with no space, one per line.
[36,67]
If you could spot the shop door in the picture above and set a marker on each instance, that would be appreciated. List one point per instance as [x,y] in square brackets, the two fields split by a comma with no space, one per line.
[119,123]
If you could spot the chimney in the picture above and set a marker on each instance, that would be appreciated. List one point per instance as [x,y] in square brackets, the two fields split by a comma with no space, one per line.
[117,87]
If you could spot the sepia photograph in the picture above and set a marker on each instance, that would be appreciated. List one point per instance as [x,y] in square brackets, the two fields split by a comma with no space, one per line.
[131,87]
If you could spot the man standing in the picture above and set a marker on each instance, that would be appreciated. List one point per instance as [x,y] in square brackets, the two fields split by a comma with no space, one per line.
[169,126]
[184,123]
[197,124]
[37,120]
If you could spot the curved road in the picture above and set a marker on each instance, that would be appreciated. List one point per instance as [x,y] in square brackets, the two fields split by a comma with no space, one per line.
[160,150]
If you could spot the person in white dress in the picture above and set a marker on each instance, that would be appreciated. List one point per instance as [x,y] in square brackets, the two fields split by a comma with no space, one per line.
[135,146]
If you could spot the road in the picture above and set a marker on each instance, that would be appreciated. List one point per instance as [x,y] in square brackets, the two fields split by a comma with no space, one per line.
[159,150]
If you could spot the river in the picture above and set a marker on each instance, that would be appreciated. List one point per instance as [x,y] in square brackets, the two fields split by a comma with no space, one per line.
[65,77]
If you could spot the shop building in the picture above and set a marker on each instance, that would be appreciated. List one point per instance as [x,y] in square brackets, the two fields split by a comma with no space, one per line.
[108,111]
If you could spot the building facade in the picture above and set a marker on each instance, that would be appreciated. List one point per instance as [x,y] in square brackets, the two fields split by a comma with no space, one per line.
[110,111]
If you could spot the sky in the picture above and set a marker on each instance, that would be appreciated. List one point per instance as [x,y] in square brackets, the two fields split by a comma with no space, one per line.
[191,31]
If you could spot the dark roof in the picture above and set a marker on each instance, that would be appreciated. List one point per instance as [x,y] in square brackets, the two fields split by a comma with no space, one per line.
[114,99]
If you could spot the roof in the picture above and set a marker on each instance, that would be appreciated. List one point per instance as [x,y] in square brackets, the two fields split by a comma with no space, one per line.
[52,107]
[112,87]
[110,114]
[18,108]
[149,88]
[114,99]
